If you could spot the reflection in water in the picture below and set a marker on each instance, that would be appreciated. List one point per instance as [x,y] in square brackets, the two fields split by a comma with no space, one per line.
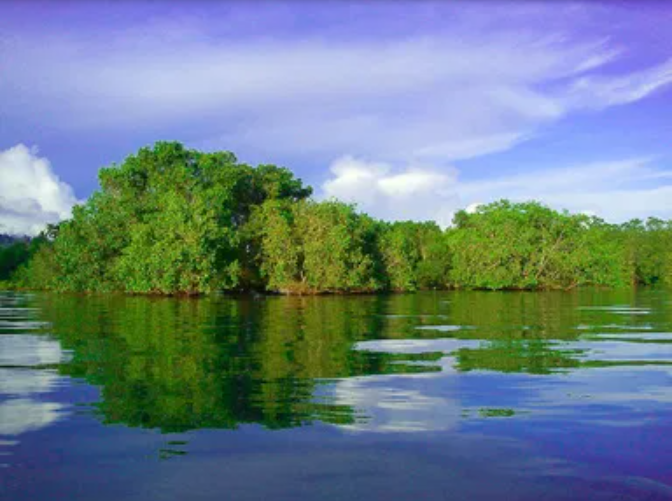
[25,375]
[389,405]
[20,415]
[459,362]
[219,362]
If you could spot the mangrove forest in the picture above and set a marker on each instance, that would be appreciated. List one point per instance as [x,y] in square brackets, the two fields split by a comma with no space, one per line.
[172,220]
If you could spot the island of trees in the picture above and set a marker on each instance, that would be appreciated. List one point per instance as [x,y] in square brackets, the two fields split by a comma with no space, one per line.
[170,220]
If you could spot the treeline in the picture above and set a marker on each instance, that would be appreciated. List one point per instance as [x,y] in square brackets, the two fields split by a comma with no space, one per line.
[170,220]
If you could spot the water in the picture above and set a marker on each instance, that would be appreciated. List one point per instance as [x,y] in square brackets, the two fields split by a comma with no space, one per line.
[452,395]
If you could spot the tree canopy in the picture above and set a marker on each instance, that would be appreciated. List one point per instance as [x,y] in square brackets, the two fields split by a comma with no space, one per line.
[527,246]
[171,220]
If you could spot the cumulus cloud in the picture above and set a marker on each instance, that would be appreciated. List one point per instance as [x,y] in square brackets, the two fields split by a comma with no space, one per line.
[31,195]
[617,190]
[414,192]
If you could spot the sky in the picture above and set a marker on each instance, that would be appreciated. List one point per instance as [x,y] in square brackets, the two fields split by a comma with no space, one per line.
[411,110]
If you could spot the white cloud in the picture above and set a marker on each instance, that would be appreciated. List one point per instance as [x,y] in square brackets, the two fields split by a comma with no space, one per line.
[467,90]
[473,207]
[409,183]
[31,195]
[412,193]
[617,191]
[472,147]
[603,91]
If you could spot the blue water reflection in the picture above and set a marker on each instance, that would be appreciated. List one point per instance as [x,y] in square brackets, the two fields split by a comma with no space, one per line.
[456,395]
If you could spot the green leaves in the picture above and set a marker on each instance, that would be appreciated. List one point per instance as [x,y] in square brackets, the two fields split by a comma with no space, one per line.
[415,255]
[166,221]
[170,220]
[317,247]
[648,248]
[529,246]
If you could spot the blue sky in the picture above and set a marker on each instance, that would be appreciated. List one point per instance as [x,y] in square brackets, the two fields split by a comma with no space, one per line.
[410,109]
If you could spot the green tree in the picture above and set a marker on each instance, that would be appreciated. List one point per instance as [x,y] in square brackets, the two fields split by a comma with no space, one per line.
[167,220]
[170,220]
[527,245]
[31,262]
[318,247]
[647,245]
[415,255]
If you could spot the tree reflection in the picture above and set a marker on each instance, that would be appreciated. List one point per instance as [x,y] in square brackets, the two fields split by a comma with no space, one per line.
[178,365]
[219,362]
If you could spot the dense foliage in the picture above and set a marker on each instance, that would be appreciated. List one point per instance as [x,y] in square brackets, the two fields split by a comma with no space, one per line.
[312,247]
[528,246]
[170,220]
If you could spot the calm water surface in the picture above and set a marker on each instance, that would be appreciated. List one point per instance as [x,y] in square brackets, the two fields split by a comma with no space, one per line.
[456,395]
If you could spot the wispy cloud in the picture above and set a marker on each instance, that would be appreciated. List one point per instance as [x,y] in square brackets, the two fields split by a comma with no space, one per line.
[600,91]
[447,94]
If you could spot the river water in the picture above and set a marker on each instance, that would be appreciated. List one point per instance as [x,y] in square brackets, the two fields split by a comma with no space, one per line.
[446,395]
